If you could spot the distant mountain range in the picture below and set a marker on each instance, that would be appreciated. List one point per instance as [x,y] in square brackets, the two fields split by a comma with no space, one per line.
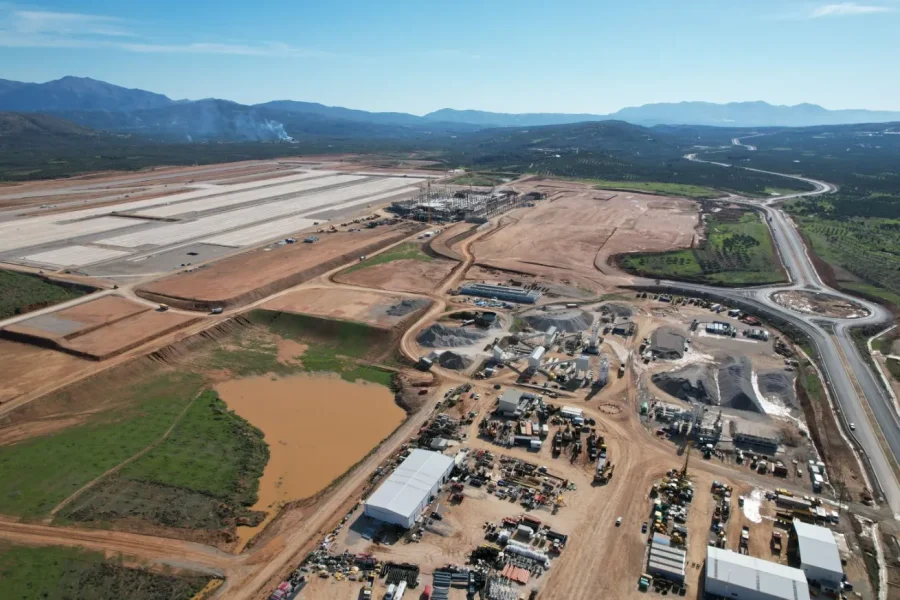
[108,107]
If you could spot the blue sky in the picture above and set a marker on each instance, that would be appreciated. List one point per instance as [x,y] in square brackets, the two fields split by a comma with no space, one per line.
[502,55]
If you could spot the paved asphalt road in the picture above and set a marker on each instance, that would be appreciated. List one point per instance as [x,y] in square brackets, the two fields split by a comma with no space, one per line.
[852,382]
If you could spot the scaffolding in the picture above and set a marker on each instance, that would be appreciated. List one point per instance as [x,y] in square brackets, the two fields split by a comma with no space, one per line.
[436,204]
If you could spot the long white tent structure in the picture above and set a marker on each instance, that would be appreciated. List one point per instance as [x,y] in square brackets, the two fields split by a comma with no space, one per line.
[403,496]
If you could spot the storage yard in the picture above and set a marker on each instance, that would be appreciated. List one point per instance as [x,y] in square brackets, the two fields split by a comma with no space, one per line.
[308,371]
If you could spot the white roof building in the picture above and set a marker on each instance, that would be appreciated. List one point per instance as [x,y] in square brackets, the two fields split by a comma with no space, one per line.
[819,556]
[733,575]
[402,497]
[509,401]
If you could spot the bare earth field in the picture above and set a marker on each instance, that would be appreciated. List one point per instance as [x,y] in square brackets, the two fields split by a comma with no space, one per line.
[97,185]
[26,368]
[128,333]
[70,322]
[336,303]
[578,227]
[404,275]
[246,277]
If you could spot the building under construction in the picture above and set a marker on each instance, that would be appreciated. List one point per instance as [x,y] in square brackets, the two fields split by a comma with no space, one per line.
[441,205]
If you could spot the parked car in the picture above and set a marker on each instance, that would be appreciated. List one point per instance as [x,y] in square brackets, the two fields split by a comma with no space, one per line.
[618,521]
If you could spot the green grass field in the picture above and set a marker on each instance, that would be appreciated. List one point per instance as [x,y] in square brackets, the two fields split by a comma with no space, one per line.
[212,451]
[738,251]
[668,189]
[40,472]
[405,251]
[21,293]
[57,573]
[869,248]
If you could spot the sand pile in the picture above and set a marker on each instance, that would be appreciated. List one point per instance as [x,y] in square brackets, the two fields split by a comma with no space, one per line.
[439,336]
[405,307]
[567,320]
[691,384]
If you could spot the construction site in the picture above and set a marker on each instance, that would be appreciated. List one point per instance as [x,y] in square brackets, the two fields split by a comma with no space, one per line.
[384,386]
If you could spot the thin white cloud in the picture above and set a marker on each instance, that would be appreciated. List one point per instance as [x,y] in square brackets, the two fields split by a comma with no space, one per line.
[34,28]
[61,23]
[848,9]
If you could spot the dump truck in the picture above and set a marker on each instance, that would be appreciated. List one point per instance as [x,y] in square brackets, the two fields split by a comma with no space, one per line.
[776,542]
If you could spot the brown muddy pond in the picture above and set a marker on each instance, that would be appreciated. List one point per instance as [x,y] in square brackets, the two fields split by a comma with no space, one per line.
[317,426]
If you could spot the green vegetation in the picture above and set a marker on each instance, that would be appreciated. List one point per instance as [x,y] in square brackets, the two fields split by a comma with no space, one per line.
[211,450]
[893,367]
[738,251]
[67,573]
[480,179]
[21,293]
[868,247]
[332,346]
[404,251]
[654,187]
[203,476]
[40,472]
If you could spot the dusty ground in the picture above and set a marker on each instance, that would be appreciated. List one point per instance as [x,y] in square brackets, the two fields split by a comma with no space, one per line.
[407,275]
[87,316]
[128,333]
[74,190]
[820,304]
[345,304]
[27,369]
[578,227]
[253,275]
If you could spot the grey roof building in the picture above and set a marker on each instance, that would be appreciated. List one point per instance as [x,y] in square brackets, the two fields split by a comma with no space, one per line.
[819,556]
[733,575]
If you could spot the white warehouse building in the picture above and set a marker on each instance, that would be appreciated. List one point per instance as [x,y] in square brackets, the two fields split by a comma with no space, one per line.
[733,575]
[402,497]
[819,556]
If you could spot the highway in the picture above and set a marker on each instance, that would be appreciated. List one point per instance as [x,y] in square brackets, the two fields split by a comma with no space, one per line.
[854,387]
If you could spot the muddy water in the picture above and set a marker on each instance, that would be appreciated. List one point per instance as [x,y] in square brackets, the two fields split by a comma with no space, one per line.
[317,426]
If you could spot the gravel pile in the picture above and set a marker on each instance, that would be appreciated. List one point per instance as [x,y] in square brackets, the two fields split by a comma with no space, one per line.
[438,336]
[779,384]
[452,360]
[405,307]
[691,384]
[736,387]
[568,320]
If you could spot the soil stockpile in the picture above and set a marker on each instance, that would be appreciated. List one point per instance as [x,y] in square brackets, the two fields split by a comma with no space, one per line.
[778,384]
[406,306]
[439,336]
[567,320]
[736,386]
[691,384]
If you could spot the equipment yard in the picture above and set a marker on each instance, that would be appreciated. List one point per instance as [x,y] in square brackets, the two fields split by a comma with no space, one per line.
[382,407]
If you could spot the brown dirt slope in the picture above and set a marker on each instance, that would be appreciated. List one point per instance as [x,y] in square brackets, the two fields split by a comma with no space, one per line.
[241,279]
